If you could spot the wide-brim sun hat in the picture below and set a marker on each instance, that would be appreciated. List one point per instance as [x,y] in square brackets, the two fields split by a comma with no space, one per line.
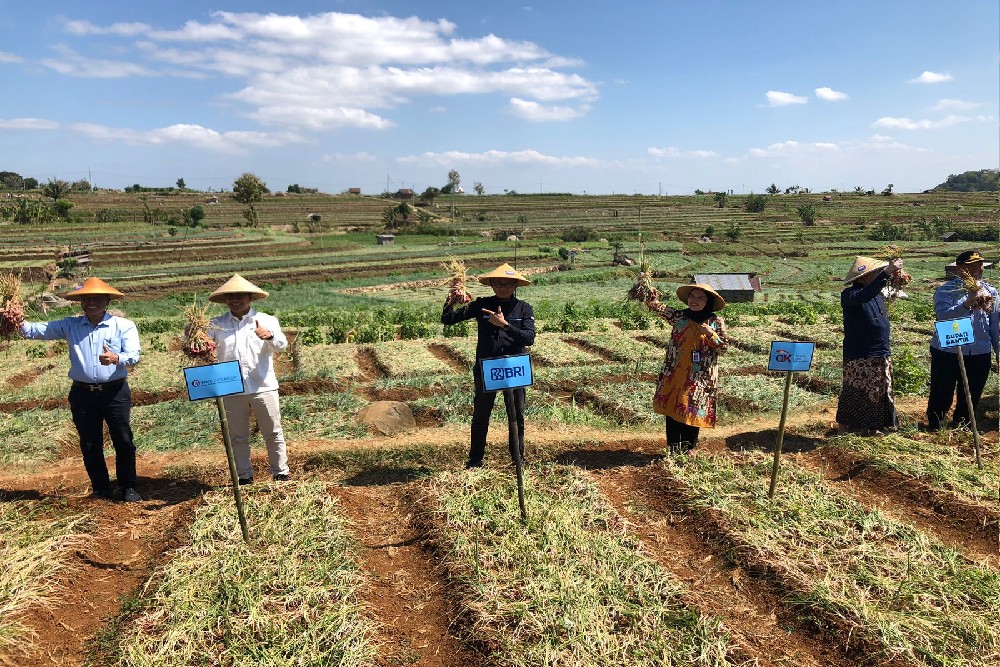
[862,267]
[237,285]
[684,291]
[93,287]
[504,272]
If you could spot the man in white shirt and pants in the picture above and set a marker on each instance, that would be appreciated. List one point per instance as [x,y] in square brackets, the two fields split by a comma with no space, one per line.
[252,338]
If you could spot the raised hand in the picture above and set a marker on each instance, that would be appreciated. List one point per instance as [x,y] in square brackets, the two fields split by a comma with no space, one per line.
[261,332]
[107,357]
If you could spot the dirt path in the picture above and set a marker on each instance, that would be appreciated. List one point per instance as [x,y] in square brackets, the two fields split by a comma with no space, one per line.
[405,592]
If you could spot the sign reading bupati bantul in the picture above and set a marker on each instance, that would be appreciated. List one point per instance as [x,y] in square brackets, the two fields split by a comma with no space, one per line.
[952,333]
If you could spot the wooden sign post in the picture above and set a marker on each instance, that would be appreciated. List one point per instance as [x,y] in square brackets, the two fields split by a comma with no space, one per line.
[787,356]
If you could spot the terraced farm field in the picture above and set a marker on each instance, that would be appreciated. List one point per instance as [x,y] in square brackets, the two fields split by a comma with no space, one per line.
[382,550]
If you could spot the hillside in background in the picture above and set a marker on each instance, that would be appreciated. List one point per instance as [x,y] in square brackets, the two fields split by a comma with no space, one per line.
[984,180]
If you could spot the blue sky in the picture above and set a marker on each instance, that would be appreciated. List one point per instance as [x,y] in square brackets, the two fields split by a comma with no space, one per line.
[583,97]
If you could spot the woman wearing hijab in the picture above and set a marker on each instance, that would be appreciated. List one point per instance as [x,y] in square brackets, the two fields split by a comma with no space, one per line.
[866,403]
[688,386]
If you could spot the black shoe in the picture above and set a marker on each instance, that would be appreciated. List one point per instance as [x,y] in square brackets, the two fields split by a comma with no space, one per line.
[130,495]
[282,477]
[103,494]
[245,480]
[473,464]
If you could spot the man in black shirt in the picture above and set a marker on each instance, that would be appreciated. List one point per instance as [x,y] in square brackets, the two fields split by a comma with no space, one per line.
[506,325]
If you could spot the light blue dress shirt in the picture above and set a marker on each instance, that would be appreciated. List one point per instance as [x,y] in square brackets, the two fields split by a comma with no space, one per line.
[86,343]
[949,304]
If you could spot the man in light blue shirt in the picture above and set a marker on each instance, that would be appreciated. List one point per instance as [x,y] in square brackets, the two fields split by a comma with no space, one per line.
[101,348]
[955,300]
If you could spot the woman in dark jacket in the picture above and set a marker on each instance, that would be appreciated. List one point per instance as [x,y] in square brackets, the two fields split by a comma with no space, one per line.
[866,402]
[506,325]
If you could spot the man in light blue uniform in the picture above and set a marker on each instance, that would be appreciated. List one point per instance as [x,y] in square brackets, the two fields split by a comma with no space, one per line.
[101,348]
[953,301]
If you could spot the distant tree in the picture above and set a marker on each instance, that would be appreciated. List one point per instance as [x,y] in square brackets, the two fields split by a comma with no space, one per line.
[294,188]
[248,190]
[792,190]
[887,192]
[478,188]
[858,190]
[720,199]
[709,231]
[699,191]
[82,185]
[55,188]
[577,233]
[180,184]
[772,189]
[430,193]
[756,203]
[11,180]
[61,208]
[734,231]
[453,180]
[194,215]
[30,183]
[807,213]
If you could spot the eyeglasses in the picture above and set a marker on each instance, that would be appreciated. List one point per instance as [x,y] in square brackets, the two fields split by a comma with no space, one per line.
[503,283]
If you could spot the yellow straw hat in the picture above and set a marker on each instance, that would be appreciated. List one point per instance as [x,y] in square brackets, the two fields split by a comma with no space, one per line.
[237,285]
[93,287]
[862,267]
[685,290]
[504,272]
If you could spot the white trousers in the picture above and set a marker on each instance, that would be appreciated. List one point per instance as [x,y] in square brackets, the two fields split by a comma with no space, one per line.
[264,407]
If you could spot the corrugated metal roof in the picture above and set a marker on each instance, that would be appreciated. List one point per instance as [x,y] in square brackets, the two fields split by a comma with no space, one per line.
[725,281]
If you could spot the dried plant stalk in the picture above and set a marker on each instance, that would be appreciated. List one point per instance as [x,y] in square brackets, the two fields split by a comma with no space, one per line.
[11,306]
[457,294]
[197,343]
[645,292]
[900,279]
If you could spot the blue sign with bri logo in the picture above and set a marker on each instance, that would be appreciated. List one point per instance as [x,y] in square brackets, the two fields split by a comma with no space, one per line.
[952,333]
[790,356]
[507,372]
[222,379]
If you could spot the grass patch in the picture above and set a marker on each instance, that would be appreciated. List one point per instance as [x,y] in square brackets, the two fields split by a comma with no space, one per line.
[288,598]
[571,588]
[909,597]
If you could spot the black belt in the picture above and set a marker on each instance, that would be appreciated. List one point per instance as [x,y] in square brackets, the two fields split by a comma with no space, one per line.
[98,386]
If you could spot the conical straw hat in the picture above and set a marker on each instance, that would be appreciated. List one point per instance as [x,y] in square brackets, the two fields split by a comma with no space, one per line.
[93,287]
[685,290]
[862,267]
[237,285]
[504,272]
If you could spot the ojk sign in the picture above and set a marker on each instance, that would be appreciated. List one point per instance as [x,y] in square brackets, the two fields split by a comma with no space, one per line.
[790,356]
[214,380]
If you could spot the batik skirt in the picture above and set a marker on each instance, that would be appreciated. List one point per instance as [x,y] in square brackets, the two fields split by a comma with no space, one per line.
[866,401]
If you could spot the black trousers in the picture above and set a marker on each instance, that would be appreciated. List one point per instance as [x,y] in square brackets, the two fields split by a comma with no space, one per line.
[482,408]
[680,436]
[112,404]
[946,386]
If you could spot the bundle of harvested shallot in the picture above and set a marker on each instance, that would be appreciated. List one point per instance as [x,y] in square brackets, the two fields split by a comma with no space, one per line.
[457,294]
[196,342]
[982,300]
[901,278]
[11,306]
[645,292]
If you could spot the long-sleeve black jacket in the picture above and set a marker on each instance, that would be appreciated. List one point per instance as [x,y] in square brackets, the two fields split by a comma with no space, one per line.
[493,341]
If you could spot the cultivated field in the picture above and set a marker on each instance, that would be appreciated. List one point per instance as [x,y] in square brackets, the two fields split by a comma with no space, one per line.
[384,551]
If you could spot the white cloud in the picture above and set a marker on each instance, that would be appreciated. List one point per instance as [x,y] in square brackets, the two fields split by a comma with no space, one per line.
[191,135]
[499,158]
[830,95]
[351,158]
[82,28]
[946,104]
[73,64]
[27,124]
[537,113]
[792,148]
[777,98]
[10,58]
[931,77]
[676,152]
[925,124]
